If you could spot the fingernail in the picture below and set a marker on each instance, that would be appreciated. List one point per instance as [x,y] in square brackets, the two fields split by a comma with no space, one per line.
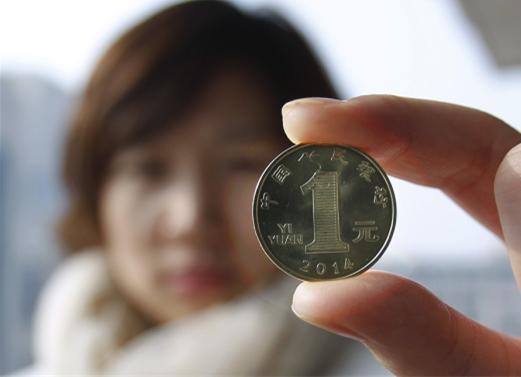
[297,111]
[308,102]
[301,301]
[508,200]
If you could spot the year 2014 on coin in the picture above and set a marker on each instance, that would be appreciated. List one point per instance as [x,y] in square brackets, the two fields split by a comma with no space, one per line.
[324,211]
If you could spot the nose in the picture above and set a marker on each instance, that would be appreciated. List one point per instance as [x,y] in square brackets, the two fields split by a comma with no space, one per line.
[188,211]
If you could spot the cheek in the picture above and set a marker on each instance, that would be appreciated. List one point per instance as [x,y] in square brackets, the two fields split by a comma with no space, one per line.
[124,236]
[246,251]
[119,206]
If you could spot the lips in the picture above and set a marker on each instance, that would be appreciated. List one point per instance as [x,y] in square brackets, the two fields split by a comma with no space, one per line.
[195,281]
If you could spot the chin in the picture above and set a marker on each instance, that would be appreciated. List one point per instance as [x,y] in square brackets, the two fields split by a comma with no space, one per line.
[178,307]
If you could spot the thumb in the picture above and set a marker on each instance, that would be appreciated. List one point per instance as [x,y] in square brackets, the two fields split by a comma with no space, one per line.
[406,327]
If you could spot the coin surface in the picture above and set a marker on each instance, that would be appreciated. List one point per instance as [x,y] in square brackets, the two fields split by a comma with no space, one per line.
[324,212]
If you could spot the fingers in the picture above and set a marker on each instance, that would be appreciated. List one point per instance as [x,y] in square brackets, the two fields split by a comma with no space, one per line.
[451,147]
[408,329]
[508,199]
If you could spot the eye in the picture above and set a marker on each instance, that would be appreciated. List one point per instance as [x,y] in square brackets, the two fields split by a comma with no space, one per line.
[152,169]
[242,164]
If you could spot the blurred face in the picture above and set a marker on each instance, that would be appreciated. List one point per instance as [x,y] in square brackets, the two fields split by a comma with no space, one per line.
[176,211]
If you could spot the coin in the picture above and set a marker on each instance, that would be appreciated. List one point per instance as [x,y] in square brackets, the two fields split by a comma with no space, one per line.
[324,212]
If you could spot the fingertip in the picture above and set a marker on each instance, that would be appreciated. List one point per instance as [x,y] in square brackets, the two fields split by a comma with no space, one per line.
[507,190]
[296,113]
[311,304]
[509,168]
[303,299]
[319,300]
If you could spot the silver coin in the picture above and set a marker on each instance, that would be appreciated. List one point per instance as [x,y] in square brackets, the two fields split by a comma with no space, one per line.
[324,212]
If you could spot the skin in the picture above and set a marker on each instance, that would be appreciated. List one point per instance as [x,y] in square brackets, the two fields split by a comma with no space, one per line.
[176,211]
[474,158]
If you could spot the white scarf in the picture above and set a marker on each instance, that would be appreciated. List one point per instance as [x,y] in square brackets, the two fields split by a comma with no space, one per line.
[81,321]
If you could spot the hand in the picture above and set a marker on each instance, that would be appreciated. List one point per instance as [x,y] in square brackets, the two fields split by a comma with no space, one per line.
[471,156]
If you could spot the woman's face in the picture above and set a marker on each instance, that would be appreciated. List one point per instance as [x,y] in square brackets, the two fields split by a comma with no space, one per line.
[176,211]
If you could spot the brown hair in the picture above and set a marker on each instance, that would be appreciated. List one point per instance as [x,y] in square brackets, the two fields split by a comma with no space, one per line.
[153,72]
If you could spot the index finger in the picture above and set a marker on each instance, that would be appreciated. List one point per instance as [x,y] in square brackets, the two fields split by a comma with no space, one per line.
[454,148]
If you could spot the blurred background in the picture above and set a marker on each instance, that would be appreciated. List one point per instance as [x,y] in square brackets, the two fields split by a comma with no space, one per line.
[466,52]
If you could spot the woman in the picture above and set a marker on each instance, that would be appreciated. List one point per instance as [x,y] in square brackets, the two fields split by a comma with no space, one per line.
[175,126]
